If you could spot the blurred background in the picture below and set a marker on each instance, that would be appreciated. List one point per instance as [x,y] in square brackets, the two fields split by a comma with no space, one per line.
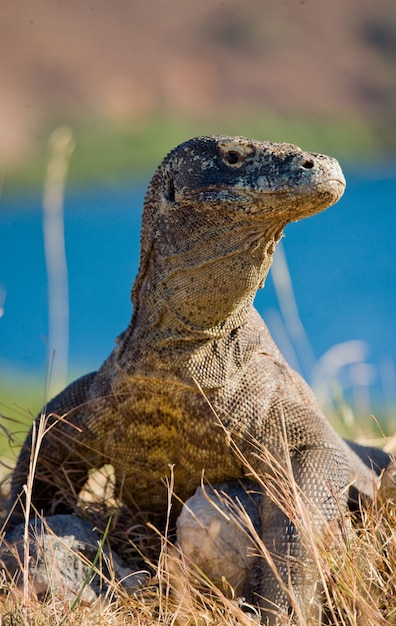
[94,93]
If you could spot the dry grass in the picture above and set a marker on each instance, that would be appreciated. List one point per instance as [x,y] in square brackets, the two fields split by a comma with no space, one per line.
[355,566]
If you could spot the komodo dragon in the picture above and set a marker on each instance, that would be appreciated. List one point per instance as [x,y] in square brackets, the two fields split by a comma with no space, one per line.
[196,370]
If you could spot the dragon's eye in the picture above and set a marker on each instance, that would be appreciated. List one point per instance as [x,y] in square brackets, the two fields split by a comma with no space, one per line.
[234,154]
[232,157]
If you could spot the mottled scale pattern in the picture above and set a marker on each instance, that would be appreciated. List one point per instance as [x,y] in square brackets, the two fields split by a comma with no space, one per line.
[196,372]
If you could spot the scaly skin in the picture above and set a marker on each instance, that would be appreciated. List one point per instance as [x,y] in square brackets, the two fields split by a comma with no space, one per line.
[197,354]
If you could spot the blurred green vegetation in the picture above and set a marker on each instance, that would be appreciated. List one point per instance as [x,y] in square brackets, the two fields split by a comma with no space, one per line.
[19,404]
[109,152]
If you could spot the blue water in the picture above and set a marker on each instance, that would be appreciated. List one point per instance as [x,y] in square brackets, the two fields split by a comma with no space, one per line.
[342,264]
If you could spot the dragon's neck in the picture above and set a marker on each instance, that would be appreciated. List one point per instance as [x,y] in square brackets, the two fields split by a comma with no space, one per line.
[199,292]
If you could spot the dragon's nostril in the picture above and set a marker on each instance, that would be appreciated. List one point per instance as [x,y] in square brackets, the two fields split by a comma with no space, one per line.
[308,164]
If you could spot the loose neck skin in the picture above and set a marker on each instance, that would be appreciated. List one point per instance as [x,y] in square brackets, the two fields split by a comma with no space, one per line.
[207,289]
[198,283]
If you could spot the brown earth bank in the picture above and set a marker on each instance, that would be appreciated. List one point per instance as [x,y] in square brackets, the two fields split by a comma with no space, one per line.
[122,60]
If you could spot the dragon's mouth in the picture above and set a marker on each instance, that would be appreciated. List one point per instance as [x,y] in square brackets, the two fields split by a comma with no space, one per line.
[333,186]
